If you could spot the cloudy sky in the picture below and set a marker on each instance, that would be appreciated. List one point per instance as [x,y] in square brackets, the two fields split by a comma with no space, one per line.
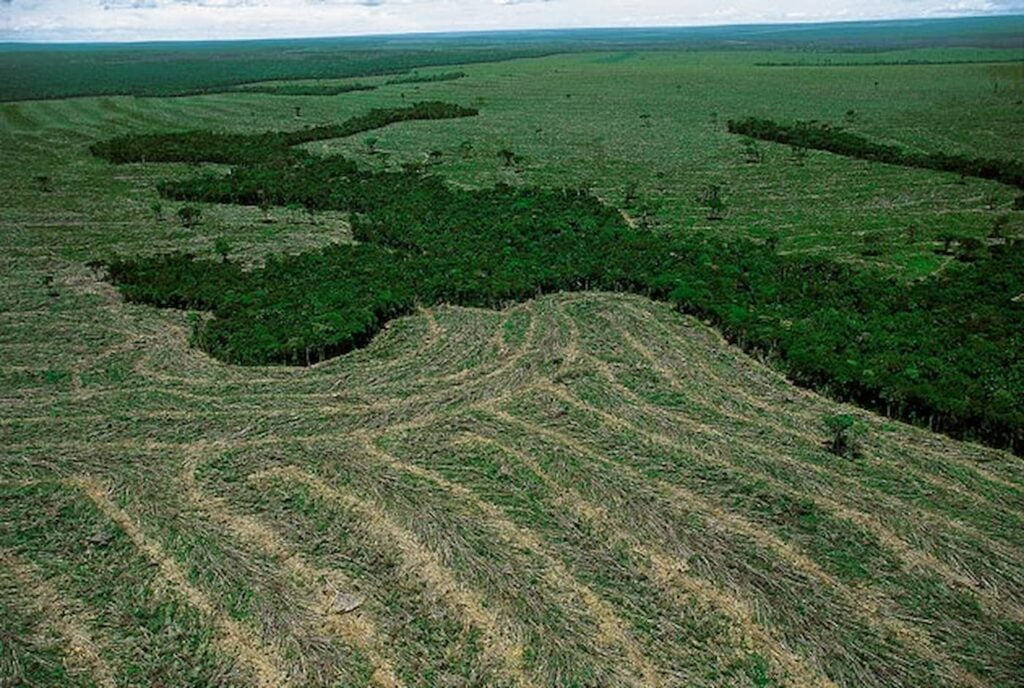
[75,20]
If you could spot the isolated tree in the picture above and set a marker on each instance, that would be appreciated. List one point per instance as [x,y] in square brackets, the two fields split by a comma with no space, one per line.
[298,111]
[189,215]
[999,223]
[630,196]
[157,208]
[222,249]
[44,182]
[264,206]
[799,155]
[508,156]
[844,435]
[971,249]
[752,152]
[711,198]
[371,144]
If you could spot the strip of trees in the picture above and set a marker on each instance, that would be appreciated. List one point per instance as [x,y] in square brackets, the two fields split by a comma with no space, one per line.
[417,78]
[241,149]
[824,136]
[306,89]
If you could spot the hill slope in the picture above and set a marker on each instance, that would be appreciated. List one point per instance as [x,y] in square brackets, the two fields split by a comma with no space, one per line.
[582,490]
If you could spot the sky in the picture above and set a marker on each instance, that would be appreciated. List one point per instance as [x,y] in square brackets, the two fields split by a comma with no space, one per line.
[129,20]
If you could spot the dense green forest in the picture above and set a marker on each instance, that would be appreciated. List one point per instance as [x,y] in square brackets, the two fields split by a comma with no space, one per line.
[154,71]
[43,71]
[947,352]
[827,137]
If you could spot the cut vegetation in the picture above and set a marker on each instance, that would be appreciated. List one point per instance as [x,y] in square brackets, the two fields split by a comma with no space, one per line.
[497,389]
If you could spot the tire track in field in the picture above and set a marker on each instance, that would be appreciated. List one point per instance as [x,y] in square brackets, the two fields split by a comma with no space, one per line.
[972,532]
[68,621]
[969,531]
[668,375]
[357,629]
[498,646]
[501,365]
[235,639]
[671,376]
[866,604]
[909,556]
[671,573]
[813,398]
[612,627]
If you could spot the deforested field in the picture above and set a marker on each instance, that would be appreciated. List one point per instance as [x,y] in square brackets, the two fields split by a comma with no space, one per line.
[582,487]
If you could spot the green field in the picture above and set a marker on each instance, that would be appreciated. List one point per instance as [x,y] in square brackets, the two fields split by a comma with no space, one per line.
[579,489]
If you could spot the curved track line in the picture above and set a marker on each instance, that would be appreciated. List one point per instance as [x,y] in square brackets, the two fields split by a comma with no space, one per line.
[671,377]
[861,601]
[504,651]
[909,555]
[671,572]
[810,395]
[235,639]
[80,649]
[612,628]
[354,628]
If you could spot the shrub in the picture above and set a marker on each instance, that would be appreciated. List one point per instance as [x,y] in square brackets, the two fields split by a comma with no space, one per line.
[189,215]
[845,433]
[711,198]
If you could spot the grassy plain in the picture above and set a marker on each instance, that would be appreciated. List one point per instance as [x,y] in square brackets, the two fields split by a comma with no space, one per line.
[582,490]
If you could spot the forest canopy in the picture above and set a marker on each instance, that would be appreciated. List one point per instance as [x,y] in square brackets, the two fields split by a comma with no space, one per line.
[947,351]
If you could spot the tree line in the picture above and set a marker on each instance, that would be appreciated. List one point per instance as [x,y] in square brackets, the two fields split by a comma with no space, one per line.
[824,136]
[305,89]
[242,149]
[416,78]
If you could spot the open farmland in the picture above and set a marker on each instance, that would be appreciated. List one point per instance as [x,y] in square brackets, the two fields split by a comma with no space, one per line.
[579,489]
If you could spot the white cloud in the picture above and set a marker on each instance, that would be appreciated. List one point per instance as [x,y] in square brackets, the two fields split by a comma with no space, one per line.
[209,19]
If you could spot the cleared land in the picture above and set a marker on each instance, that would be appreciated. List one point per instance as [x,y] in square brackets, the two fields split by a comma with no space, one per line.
[584,489]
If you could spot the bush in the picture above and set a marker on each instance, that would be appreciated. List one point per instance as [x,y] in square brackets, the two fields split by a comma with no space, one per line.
[189,215]
[415,78]
[845,433]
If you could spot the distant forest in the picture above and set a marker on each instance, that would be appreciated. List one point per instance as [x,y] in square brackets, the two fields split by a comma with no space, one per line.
[38,71]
